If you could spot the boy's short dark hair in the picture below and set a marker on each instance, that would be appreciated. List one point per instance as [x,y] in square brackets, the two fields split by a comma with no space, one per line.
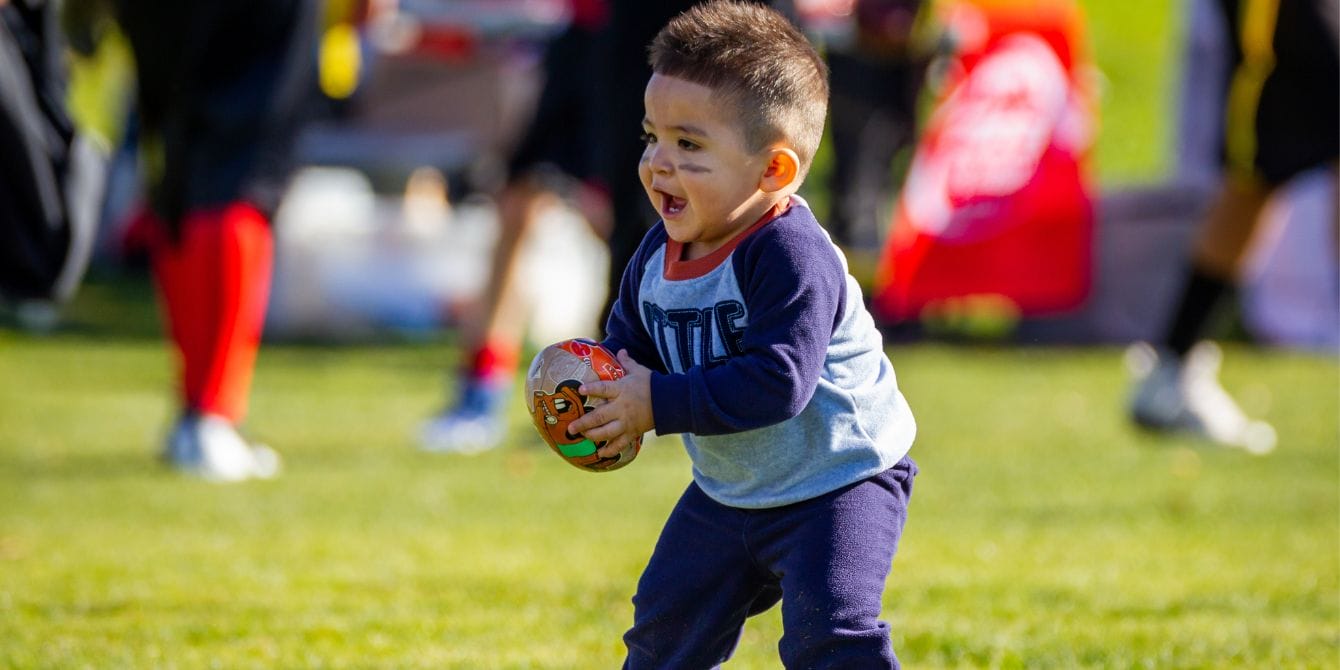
[757,62]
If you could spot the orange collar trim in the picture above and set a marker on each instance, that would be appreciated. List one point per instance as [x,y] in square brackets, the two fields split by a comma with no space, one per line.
[677,269]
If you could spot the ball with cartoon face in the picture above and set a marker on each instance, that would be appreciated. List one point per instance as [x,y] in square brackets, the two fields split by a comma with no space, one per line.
[553,401]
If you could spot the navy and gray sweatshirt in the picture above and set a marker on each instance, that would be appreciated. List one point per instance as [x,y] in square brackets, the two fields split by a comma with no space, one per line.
[765,359]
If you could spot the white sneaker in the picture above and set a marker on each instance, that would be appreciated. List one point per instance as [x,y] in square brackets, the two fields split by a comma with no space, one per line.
[209,447]
[457,432]
[1185,395]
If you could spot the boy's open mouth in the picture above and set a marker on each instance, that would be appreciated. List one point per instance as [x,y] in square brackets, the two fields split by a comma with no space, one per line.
[670,204]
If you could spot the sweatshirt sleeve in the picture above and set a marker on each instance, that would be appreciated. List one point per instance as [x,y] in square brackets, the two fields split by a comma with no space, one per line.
[794,285]
[623,328]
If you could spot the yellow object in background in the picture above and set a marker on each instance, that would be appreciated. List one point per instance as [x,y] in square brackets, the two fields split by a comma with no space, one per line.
[341,60]
[101,87]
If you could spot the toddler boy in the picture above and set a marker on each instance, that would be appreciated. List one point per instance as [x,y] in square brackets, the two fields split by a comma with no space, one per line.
[739,327]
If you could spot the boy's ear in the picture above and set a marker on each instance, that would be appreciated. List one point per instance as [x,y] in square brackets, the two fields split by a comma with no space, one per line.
[783,169]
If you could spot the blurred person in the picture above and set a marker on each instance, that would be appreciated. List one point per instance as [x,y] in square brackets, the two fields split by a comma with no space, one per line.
[740,328]
[50,172]
[876,81]
[221,87]
[579,145]
[555,160]
[1282,103]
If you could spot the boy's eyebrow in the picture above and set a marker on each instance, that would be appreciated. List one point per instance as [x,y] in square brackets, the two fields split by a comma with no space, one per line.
[690,130]
[682,129]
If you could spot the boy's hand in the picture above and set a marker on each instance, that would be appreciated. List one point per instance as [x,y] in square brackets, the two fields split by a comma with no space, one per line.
[626,413]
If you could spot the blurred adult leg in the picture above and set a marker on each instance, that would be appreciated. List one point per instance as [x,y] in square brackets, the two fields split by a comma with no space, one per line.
[214,285]
[1280,111]
[222,88]
[550,162]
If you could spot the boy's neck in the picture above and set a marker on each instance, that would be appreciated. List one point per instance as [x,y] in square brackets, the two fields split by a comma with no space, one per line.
[766,210]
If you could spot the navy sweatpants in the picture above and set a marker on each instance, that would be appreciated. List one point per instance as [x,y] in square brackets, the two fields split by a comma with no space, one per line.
[826,559]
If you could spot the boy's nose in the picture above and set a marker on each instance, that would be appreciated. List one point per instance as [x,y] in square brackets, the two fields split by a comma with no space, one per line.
[659,162]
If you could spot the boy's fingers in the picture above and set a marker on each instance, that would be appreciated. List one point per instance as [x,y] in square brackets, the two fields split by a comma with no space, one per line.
[581,423]
[613,447]
[593,420]
[600,389]
[604,431]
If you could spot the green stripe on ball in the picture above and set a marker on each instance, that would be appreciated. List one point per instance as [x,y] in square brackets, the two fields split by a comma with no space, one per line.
[583,448]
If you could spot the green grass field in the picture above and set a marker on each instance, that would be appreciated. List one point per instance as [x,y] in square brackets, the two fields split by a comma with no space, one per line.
[1045,532]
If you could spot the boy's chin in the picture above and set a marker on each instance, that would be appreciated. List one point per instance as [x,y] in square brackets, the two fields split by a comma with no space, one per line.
[682,239]
[680,231]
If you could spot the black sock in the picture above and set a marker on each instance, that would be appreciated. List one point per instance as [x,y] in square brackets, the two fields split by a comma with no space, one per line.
[1201,294]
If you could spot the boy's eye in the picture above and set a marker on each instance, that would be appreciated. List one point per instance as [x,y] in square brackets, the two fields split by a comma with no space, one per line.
[647,138]
[685,144]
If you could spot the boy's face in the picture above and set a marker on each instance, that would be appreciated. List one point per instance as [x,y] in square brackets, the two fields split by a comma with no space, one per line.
[695,168]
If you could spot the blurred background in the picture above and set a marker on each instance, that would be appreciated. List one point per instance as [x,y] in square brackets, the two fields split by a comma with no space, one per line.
[1012,233]
[444,90]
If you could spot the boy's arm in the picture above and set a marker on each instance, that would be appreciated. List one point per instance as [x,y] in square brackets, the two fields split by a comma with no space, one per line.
[794,285]
[795,289]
